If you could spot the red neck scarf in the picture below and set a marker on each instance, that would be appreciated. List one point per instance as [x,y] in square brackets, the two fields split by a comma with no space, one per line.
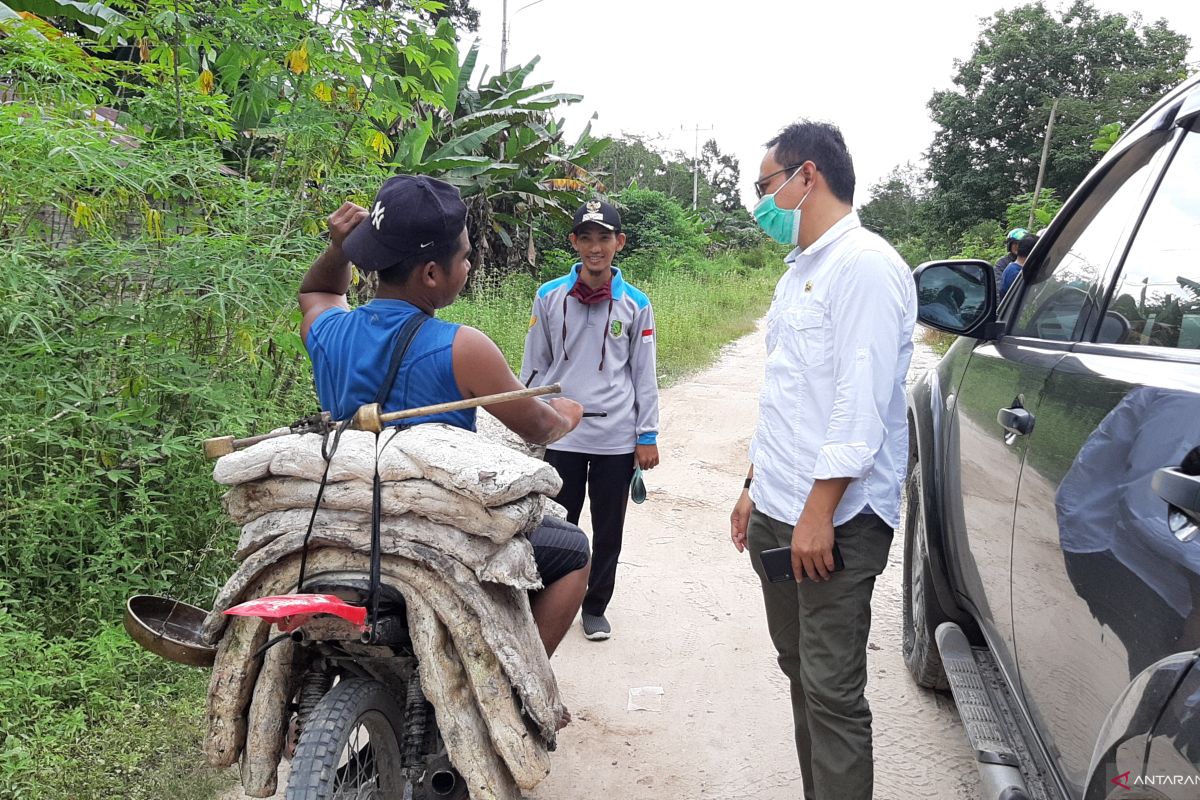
[589,296]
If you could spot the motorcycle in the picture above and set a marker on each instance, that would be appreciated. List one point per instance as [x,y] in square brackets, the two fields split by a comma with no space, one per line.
[362,727]
[343,691]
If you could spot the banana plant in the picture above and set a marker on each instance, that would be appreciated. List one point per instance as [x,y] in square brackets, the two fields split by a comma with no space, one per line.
[93,16]
[499,142]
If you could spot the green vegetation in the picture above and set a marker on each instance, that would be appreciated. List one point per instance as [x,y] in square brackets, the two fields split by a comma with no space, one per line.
[1099,71]
[164,181]
[938,341]
[98,717]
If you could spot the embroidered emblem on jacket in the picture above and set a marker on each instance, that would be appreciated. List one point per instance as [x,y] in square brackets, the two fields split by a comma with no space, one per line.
[616,327]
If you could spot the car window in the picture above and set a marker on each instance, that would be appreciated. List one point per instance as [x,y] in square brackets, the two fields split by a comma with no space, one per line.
[1058,304]
[1157,300]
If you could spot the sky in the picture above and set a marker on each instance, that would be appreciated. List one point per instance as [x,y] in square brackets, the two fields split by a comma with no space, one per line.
[745,69]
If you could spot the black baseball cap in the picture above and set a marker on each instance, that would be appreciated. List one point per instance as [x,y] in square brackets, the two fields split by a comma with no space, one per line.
[412,214]
[599,212]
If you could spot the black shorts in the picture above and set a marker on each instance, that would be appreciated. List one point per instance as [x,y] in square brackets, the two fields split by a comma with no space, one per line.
[559,548]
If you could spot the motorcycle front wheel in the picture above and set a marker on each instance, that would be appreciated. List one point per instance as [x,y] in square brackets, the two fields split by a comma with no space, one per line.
[349,748]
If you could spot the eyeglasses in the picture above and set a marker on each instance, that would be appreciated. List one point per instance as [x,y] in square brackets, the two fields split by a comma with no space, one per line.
[760,185]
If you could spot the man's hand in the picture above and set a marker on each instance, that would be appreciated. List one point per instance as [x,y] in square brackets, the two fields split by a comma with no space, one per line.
[344,220]
[739,520]
[812,548]
[646,455]
[570,410]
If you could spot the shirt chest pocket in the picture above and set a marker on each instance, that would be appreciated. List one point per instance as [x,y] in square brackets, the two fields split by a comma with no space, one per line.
[805,331]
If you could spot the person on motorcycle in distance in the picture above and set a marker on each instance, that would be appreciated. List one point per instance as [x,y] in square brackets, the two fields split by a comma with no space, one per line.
[415,238]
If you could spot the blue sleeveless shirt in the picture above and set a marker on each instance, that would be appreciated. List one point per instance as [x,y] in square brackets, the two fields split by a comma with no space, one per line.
[351,351]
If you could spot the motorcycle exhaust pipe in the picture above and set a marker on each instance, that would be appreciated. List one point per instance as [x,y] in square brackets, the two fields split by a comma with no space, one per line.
[443,782]
[443,778]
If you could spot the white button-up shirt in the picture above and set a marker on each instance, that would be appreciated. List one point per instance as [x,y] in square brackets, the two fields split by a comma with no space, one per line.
[839,341]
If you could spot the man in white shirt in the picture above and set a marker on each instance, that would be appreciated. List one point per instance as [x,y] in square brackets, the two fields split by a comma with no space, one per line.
[829,454]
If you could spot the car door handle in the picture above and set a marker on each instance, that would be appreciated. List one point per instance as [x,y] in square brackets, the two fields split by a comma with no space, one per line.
[1016,420]
[1182,493]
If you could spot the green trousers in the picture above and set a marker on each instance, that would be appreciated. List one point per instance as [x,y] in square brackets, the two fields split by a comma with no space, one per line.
[820,629]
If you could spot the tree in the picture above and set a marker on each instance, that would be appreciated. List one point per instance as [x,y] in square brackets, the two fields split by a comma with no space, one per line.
[1102,67]
[892,210]
[460,14]
[633,161]
[722,173]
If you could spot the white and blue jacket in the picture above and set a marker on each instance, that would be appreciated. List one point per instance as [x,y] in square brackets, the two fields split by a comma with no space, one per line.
[604,357]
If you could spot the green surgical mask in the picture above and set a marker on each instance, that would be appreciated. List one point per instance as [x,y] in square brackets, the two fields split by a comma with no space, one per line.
[781,224]
[637,487]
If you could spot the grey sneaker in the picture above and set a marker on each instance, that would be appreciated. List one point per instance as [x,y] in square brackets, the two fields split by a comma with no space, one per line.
[596,628]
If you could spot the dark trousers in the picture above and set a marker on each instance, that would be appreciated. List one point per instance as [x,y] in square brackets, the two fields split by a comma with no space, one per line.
[820,633]
[606,481]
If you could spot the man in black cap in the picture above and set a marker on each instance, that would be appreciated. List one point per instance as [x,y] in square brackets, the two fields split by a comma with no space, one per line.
[415,237]
[593,332]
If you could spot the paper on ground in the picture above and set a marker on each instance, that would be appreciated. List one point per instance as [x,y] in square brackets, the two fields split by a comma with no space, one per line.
[645,698]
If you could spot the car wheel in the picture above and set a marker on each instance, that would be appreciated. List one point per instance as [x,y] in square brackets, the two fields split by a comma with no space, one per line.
[922,614]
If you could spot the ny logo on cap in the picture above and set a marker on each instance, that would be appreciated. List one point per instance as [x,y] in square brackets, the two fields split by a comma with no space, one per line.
[377,214]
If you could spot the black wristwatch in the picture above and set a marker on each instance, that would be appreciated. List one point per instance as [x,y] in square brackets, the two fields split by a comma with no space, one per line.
[747,484]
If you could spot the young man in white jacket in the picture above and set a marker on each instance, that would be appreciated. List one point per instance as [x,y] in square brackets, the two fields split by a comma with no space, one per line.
[593,332]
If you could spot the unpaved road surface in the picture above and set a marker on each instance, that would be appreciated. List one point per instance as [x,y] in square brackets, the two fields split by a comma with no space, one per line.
[687,618]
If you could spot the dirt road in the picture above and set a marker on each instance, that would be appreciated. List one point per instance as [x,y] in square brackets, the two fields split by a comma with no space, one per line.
[688,618]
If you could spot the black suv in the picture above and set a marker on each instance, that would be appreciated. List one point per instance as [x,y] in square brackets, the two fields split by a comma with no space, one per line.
[1052,563]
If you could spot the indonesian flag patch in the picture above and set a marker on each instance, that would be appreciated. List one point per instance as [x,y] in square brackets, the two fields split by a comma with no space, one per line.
[648,336]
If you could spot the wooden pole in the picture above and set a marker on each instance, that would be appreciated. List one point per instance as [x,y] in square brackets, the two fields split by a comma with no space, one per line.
[368,418]
[1037,189]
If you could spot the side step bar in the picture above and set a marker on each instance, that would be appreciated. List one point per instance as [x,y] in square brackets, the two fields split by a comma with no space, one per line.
[1006,768]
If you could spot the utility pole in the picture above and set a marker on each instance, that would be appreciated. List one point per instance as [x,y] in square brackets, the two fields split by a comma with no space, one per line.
[1037,189]
[696,163]
[504,29]
[503,33]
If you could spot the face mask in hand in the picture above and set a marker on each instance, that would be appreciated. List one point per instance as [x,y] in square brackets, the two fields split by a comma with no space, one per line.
[781,224]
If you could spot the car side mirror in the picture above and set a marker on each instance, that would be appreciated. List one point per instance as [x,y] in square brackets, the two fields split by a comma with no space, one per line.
[956,296]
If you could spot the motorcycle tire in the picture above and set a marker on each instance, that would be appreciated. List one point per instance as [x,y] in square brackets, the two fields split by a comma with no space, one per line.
[350,746]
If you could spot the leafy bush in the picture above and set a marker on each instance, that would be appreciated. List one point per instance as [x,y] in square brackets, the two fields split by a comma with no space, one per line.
[98,717]
[655,223]
[1017,213]
[983,240]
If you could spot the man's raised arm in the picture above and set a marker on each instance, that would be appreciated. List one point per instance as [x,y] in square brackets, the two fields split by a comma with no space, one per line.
[328,279]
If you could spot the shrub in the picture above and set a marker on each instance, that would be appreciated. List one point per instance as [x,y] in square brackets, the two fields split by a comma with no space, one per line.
[654,222]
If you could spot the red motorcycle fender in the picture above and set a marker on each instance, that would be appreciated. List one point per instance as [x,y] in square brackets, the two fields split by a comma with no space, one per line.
[290,611]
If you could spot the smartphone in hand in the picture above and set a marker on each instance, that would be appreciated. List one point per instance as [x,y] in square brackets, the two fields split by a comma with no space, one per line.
[777,563]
